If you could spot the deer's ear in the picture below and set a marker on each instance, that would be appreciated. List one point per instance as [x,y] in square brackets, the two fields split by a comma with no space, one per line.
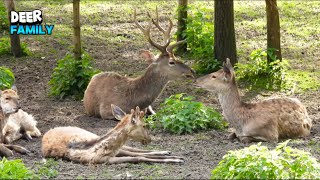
[148,56]
[14,87]
[227,69]
[117,112]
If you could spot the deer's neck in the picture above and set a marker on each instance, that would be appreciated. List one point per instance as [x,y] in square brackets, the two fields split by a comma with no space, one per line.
[149,86]
[110,144]
[231,103]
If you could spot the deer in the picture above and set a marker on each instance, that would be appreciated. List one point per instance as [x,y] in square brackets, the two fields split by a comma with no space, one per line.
[268,120]
[81,146]
[15,123]
[109,87]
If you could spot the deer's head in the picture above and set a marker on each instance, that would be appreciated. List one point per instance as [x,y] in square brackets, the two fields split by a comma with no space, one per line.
[219,81]
[134,123]
[9,100]
[166,62]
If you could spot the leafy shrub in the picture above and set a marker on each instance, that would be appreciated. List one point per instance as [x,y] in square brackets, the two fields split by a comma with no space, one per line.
[5,47]
[179,114]
[4,21]
[47,169]
[258,162]
[15,169]
[71,77]
[6,78]
[259,73]
[199,35]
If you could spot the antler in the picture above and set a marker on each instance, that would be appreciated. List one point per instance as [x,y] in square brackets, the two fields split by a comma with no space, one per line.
[146,31]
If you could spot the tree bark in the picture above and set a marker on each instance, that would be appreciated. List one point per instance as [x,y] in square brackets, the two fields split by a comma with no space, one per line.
[76,29]
[224,33]
[273,28]
[14,38]
[182,24]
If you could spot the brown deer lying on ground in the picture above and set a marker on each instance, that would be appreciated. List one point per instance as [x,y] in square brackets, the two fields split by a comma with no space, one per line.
[14,122]
[268,120]
[79,145]
[108,87]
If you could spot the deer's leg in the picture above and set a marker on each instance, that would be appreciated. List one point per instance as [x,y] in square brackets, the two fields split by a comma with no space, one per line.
[17,148]
[114,160]
[131,149]
[232,136]
[151,110]
[153,155]
[5,151]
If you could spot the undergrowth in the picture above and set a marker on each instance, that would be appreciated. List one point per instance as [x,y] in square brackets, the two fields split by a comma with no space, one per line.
[15,169]
[179,114]
[71,77]
[4,22]
[5,47]
[258,73]
[258,162]
[6,78]
[199,36]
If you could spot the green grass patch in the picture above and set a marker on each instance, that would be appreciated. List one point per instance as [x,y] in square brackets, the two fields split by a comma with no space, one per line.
[303,80]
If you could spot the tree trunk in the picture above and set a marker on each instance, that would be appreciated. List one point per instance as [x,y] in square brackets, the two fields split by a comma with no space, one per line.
[224,36]
[76,29]
[14,39]
[182,24]
[273,28]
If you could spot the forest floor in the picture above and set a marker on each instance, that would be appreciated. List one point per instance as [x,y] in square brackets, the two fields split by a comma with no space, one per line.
[103,24]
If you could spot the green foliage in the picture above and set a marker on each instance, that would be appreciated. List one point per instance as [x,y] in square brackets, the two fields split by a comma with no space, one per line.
[179,114]
[259,73]
[15,169]
[300,81]
[5,47]
[258,162]
[6,78]
[4,21]
[48,169]
[199,35]
[71,77]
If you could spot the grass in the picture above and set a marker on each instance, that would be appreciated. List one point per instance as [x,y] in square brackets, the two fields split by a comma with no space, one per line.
[300,24]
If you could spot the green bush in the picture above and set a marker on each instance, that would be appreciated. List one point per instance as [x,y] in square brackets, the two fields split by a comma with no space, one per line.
[71,77]
[199,35]
[179,114]
[4,21]
[258,162]
[15,169]
[5,47]
[6,78]
[47,169]
[259,73]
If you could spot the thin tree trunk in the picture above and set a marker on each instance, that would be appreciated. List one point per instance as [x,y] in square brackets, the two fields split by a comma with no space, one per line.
[76,27]
[224,33]
[14,39]
[182,24]
[273,28]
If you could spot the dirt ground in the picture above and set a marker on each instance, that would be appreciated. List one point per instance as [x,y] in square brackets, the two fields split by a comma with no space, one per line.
[202,151]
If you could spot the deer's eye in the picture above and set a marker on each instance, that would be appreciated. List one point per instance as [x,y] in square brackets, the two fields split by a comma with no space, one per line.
[213,76]
[7,98]
[171,63]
